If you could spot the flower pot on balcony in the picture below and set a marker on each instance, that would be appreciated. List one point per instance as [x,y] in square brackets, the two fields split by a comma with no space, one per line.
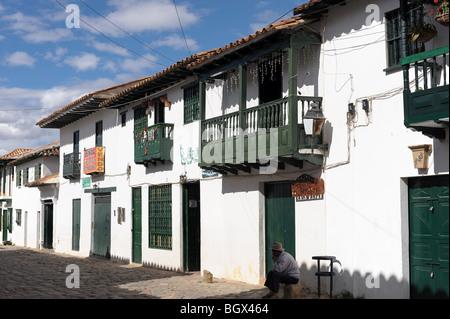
[442,19]
[421,153]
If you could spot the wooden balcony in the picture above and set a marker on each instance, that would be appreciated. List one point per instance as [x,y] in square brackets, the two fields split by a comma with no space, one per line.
[252,137]
[426,107]
[71,166]
[153,144]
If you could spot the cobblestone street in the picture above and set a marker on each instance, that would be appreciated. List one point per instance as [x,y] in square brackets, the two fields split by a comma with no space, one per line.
[30,273]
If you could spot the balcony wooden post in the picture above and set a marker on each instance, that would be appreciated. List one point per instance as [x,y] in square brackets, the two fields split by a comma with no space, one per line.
[242,94]
[202,116]
[292,91]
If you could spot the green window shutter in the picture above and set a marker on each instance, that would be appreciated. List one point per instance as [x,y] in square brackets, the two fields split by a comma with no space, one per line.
[37,171]
[191,104]
[18,178]
[10,220]
[25,176]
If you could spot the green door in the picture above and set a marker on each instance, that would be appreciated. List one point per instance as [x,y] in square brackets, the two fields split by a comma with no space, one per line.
[102,226]
[5,225]
[137,225]
[429,237]
[76,219]
[280,219]
[48,226]
[191,226]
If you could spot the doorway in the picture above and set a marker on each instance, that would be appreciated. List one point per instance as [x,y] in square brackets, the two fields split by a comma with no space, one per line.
[102,226]
[280,219]
[429,236]
[191,226]
[137,225]
[48,225]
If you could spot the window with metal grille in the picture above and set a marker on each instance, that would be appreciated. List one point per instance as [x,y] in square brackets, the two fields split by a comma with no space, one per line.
[394,35]
[191,103]
[160,216]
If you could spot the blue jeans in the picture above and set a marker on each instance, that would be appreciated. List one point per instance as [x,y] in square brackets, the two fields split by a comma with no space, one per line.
[274,279]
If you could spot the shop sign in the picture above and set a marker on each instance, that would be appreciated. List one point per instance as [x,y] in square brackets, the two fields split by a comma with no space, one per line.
[94,160]
[307,188]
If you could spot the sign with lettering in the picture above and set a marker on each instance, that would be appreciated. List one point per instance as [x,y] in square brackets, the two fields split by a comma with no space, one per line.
[307,188]
[86,182]
[94,160]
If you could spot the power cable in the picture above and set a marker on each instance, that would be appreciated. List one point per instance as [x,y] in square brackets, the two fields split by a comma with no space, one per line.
[181,27]
[124,31]
[108,38]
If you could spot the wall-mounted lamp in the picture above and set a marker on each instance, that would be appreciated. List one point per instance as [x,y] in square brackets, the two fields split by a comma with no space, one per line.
[314,120]
[183,179]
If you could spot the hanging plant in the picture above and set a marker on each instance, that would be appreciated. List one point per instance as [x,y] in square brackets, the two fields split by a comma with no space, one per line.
[423,31]
[441,13]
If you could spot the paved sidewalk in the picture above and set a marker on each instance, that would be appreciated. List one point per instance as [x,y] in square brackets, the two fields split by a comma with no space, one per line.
[31,273]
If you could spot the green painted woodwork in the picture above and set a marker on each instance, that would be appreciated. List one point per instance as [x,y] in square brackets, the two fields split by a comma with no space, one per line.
[71,166]
[430,102]
[279,219]
[76,222]
[429,236]
[153,143]
[5,225]
[160,216]
[48,226]
[102,226]
[137,225]
[237,146]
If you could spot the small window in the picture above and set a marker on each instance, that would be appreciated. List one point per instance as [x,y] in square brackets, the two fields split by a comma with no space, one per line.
[123,119]
[160,217]
[76,141]
[18,217]
[37,171]
[191,104]
[394,35]
[99,134]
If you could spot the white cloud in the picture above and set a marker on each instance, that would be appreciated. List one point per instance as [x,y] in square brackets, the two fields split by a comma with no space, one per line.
[35,29]
[20,58]
[57,56]
[110,48]
[176,42]
[138,65]
[143,15]
[83,62]
[263,19]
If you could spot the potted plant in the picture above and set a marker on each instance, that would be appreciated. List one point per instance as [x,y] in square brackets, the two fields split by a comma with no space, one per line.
[441,12]
[423,31]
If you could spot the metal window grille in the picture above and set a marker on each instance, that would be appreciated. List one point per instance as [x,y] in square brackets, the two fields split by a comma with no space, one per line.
[191,104]
[160,216]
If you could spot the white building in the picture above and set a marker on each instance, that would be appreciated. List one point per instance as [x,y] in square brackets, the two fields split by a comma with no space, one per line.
[208,162]
[33,179]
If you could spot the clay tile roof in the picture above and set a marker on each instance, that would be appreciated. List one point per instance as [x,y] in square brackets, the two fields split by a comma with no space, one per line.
[313,6]
[51,149]
[15,153]
[47,180]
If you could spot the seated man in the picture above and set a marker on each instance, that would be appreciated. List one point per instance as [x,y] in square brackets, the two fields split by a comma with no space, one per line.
[285,271]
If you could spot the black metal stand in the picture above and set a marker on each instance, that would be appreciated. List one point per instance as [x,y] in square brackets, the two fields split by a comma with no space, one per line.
[330,273]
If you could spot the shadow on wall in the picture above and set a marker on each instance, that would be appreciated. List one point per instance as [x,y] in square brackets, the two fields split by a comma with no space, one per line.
[358,284]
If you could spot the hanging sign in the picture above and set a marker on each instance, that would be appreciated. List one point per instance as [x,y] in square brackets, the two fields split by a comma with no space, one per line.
[307,188]
[94,160]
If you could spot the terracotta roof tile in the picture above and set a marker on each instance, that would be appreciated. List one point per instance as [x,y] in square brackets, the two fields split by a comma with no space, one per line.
[15,153]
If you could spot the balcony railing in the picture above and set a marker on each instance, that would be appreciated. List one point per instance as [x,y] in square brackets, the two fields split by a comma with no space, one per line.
[153,144]
[426,105]
[255,134]
[71,166]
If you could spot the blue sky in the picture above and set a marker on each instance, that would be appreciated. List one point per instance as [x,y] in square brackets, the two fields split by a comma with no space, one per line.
[44,65]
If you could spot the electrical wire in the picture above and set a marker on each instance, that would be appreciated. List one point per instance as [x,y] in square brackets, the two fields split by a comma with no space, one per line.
[181,27]
[124,31]
[111,40]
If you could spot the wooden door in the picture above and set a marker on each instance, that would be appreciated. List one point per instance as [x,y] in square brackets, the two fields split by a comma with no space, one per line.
[191,226]
[48,226]
[76,221]
[280,219]
[429,237]
[102,226]
[137,225]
